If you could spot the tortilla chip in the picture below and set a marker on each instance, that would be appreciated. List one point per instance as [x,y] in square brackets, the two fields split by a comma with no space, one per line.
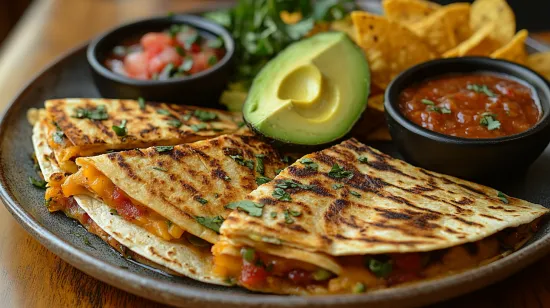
[389,46]
[376,102]
[494,11]
[515,49]
[380,134]
[442,28]
[479,44]
[540,62]
[408,11]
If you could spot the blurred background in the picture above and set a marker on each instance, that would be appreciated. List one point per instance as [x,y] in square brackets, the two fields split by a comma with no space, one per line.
[530,14]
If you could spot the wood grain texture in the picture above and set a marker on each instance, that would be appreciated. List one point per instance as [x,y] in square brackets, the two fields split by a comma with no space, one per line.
[31,276]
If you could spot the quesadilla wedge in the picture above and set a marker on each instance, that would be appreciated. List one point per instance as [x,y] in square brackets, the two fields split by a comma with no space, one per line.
[85,127]
[351,219]
[181,259]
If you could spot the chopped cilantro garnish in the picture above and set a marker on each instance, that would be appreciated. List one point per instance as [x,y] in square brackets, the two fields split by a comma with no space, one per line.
[262,180]
[488,119]
[278,171]
[308,162]
[205,115]
[241,124]
[282,195]
[198,127]
[201,200]
[358,195]
[288,218]
[174,123]
[113,212]
[58,136]
[260,165]
[121,130]
[212,60]
[359,288]
[226,178]
[338,172]
[273,214]
[160,169]
[47,202]
[252,208]
[363,159]
[164,148]
[100,113]
[191,39]
[169,223]
[163,112]
[337,186]
[180,51]
[427,102]
[445,110]
[241,161]
[502,197]
[294,213]
[38,183]
[249,254]
[213,223]
[379,268]
[481,89]
[141,103]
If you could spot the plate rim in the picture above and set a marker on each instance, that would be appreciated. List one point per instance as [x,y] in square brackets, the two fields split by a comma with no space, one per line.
[429,291]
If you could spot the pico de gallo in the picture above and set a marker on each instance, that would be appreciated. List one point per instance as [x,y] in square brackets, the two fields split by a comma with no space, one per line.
[177,52]
[471,105]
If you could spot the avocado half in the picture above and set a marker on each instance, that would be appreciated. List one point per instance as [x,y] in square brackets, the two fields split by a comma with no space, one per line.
[311,93]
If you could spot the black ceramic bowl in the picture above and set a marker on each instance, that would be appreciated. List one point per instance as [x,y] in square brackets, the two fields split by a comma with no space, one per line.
[478,159]
[203,88]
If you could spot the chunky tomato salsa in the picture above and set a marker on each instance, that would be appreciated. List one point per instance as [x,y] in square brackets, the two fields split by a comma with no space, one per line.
[177,52]
[471,105]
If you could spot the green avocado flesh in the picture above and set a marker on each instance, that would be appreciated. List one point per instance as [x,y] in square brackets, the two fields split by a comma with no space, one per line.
[312,93]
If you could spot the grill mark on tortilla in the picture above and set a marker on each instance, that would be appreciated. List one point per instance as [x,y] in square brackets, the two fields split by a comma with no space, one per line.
[155,253]
[471,223]
[293,227]
[393,215]
[467,187]
[375,240]
[490,217]
[301,172]
[384,166]
[464,201]
[335,208]
[268,201]
[431,175]
[124,166]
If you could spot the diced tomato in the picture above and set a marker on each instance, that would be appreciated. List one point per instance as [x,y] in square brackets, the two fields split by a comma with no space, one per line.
[135,65]
[300,277]
[86,219]
[125,207]
[410,262]
[252,275]
[200,61]
[168,55]
[155,41]
[195,48]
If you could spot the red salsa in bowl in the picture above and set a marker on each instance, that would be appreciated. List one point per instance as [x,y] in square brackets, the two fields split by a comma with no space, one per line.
[472,105]
[179,51]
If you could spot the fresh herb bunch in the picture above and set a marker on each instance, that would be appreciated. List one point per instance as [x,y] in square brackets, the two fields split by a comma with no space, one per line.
[260,32]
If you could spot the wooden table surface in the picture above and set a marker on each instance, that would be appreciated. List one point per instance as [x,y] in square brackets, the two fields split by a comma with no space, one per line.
[30,275]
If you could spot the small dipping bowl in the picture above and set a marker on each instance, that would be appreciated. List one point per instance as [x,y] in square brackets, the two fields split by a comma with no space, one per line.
[473,159]
[200,89]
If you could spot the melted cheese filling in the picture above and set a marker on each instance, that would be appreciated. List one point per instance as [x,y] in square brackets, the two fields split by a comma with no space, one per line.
[90,181]
[228,263]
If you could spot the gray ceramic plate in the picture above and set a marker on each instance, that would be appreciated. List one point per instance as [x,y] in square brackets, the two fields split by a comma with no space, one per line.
[70,77]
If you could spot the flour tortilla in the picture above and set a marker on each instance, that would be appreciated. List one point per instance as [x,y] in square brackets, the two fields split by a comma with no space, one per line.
[177,258]
[190,173]
[401,208]
[152,125]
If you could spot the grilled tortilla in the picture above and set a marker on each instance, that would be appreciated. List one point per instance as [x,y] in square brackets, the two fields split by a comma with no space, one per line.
[191,259]
[170,191]
[350,219]
[83,127]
